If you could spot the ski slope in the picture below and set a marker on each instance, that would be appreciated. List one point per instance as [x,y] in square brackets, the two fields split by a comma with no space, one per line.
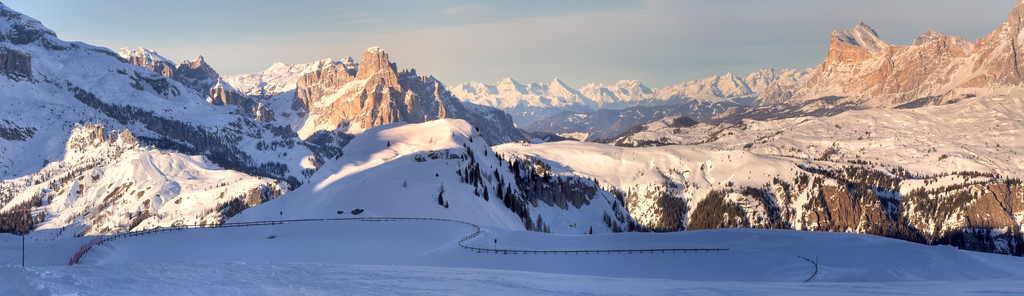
[422,257]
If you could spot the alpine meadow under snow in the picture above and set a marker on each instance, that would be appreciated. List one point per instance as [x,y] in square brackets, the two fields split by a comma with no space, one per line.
[886,169]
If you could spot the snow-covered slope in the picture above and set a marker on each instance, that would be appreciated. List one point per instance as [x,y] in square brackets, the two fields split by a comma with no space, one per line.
[107,183]
[49,85]
[422,257]
[953,180]
[683,174]
[979,134]
[444,169]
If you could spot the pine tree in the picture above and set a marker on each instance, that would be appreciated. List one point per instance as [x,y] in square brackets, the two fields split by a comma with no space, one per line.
[486,197]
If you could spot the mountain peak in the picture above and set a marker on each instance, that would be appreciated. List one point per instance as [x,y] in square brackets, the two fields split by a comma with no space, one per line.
[374,60]
[862,36]
[149,55]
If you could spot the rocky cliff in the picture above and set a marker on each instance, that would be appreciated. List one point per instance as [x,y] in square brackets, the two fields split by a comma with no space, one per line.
[868,71]
[196,74]
[149,59]
[354,98]
[15,64]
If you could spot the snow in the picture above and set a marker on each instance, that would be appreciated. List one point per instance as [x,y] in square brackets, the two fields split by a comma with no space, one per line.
[978,134]
[399,169]
[279,78]
[47,106]
[100,188]
[151,56]
[423,257]
[861,36]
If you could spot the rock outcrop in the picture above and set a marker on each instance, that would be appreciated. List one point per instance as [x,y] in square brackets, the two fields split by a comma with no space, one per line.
[375,92]
[15,64]
[222,94]
[262,113]
[196,75]
[150,59]
[24,29]
[868,71]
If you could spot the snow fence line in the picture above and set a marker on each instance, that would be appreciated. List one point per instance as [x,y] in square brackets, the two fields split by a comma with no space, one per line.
[84,249]
[462,242]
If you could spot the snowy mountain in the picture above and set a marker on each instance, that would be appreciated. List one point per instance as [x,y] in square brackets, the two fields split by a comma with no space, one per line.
[279,78]
[943,183]
[106,183]
[53,87]
[558,109]
[195,74]
[607,124]
[445,169]
[525,103]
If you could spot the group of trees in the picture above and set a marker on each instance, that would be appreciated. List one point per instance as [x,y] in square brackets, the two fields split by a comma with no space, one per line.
[253,197]
[715,211]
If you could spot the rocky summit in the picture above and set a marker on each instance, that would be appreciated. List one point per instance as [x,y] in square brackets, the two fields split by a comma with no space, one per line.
[374,92]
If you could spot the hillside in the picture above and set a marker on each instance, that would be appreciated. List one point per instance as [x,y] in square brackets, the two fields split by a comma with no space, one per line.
[849,173]
[107,183]
[444,169]
[51,85]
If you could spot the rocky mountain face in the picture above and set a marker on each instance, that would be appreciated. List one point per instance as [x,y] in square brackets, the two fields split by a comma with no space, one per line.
[937,67]
[150,59]
[279,78]
[353,98]
[198,76]
[15,64]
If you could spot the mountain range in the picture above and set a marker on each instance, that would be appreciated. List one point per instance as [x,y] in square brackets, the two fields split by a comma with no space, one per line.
[859,71]
[536,101]
[914,142]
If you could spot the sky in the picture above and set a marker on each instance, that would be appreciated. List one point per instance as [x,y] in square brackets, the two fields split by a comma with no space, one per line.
[594,41]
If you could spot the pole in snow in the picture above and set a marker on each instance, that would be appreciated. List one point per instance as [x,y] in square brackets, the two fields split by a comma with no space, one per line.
[24,218]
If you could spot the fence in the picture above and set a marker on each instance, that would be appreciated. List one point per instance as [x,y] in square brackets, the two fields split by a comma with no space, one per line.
[462,242]
[815,262]
[84,249]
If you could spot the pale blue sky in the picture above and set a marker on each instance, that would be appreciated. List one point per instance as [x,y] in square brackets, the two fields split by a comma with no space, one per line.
[656,42]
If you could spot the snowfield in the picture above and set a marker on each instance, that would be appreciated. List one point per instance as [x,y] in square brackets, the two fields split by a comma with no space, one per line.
[423,257]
